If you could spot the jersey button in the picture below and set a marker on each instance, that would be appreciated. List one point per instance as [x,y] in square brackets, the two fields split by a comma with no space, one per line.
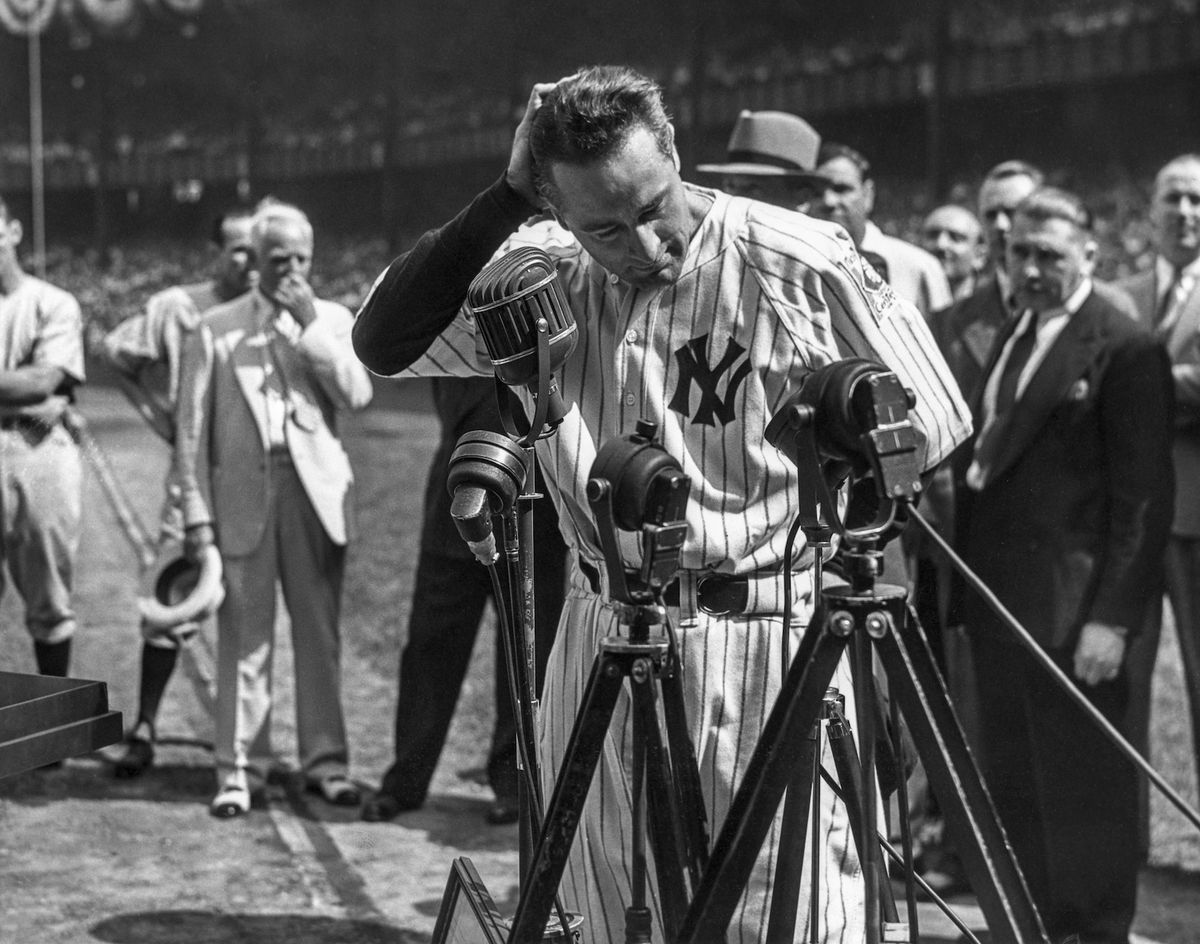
[631,336]
[612,278]
[630,399]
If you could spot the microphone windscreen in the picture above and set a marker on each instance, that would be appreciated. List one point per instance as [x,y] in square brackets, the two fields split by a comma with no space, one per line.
[508,298]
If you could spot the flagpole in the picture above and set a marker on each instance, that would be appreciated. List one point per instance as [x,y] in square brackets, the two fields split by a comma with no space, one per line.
[36,156]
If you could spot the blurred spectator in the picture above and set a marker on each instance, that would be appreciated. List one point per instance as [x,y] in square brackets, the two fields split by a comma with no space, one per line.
[1058,512]
[41,474]
[1168,303]
[264,475]
[146,352]
[847,196]
[953,235]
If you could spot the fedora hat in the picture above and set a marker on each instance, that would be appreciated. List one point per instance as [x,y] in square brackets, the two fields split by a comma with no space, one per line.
[769,143]
[177,590]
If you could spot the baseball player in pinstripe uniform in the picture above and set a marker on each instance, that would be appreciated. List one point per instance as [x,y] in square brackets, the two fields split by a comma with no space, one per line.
[702,313]
[41,475]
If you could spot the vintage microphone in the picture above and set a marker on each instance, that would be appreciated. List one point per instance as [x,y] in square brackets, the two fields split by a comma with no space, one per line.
[529,332]
[486,474]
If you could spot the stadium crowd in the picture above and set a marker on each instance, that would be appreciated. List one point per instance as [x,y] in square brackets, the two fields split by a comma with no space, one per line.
[1042,248]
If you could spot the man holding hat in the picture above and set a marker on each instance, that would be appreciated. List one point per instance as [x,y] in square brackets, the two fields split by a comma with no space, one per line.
[771,157]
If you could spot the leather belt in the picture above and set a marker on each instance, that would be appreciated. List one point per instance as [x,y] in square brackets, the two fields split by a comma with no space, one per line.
[719,594]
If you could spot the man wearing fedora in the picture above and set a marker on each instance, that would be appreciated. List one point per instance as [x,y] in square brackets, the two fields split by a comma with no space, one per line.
[264,475]
[771,157]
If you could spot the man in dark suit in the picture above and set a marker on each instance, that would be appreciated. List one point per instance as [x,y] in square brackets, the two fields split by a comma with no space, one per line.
[449,599]
[1167,297]
[1063,506]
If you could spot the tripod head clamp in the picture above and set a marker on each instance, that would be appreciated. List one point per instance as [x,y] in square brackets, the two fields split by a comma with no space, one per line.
[635,485]
[849,419]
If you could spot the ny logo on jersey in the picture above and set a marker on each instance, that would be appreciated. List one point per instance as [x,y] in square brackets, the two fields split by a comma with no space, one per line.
[692,359]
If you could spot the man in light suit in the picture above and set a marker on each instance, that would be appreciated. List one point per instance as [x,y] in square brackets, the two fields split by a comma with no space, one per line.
[1167,297]
[1063,510]
[263,473]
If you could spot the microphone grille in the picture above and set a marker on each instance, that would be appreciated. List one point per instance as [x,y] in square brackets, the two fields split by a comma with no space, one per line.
[508,297]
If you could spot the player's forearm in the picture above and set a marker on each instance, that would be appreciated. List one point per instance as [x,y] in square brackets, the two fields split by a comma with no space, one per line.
[419,294]
[28,386]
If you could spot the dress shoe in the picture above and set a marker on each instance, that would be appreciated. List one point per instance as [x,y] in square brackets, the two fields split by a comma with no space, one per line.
[231,800]
[383,807]
[337,789]
[236,798]
[502,812]
[137,759]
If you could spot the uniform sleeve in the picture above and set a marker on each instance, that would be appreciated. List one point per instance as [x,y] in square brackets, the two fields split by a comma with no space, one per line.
[60,336]
[190,458]
[420,294]
[868,320]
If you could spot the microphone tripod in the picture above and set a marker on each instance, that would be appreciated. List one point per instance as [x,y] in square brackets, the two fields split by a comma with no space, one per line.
[636,486]
[866,619]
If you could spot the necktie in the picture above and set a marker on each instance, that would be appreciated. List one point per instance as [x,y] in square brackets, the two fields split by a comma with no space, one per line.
[988,443]
[1018,357]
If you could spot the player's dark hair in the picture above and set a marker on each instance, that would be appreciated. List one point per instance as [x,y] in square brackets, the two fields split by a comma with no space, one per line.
[831,150]
[590,115]
[1015,168]
[1051,203]
[217,233]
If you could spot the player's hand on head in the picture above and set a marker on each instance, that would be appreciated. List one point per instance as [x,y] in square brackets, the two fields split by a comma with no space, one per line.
[520,161]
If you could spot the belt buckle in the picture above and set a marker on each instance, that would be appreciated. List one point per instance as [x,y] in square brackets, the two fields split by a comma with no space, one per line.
[716,607]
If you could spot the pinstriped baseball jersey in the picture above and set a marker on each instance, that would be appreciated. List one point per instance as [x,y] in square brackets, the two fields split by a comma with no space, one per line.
[764,297]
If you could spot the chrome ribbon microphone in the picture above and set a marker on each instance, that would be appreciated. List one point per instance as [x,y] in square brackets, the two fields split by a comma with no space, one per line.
[528,329]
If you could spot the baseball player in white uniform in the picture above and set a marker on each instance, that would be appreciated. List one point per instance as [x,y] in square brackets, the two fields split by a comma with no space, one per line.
[41,475]
[146,352]
[702,313]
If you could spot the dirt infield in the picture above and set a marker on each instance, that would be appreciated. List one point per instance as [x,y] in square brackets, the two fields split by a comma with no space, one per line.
[85,857]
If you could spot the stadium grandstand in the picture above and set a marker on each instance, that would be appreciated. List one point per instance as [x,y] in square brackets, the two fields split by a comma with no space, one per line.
[381,116]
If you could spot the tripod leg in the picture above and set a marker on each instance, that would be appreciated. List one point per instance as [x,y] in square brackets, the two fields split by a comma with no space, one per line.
[686,773]
[566,803]
[764,781]
[781,927]
[663,823]
[849,771]
[917,685]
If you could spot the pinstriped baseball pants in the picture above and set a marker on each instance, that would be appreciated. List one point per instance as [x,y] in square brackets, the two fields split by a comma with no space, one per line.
[732,670]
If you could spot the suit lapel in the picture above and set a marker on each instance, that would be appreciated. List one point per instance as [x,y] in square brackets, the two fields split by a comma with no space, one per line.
[1186,328]
[1064,364]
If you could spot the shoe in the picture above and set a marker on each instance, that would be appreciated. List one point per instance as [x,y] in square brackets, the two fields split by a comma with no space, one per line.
[383,807]
[337,789]
[137,759]
[502,812]
[231,800]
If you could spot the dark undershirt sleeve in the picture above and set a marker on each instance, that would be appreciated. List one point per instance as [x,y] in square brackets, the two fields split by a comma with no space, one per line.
[420,293]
